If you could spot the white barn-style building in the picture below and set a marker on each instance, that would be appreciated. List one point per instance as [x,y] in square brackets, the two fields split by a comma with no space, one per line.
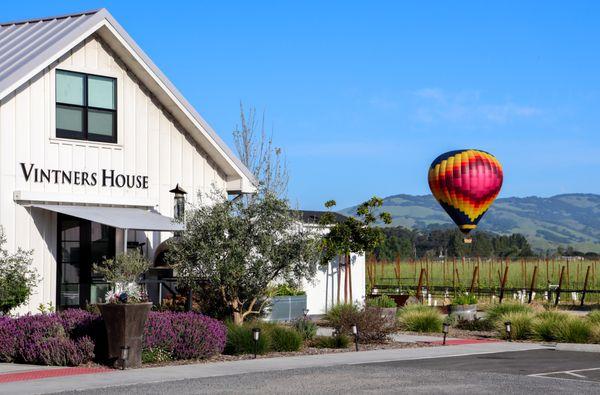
[93,139]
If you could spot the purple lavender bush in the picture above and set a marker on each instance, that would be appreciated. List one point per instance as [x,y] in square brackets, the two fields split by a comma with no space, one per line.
[8,339]
[184,335]
[45,339]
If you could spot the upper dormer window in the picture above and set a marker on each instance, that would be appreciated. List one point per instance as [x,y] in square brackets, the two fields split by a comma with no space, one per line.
[86,106]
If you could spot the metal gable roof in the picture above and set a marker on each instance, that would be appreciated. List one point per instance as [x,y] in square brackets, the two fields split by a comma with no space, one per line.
[27,47]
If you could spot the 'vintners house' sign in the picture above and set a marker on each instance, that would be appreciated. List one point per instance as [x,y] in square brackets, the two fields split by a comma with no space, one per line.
[106,178]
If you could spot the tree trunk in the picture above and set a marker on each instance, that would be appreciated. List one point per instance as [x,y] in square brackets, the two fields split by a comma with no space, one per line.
[349,268]
[339,277]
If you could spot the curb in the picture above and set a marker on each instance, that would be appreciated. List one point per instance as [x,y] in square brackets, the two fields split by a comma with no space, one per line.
[48,373]
[578,347]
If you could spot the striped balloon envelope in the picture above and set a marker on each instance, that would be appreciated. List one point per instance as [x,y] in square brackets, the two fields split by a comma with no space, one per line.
[465,183]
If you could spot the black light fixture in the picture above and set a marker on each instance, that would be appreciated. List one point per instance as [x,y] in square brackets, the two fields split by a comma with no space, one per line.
[355,333]
[445,329]
[255,337]
[124,356]
[179,208]
[508,330]
[305,312]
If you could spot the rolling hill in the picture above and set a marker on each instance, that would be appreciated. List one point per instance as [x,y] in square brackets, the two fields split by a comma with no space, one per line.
[561,220]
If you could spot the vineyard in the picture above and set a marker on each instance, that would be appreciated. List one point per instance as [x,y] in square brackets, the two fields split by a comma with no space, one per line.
[488,278]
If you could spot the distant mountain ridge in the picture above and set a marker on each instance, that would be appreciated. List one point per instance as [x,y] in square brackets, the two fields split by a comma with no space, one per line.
[565,220]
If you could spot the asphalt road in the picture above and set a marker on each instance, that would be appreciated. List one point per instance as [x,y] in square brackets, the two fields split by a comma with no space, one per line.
[531,372]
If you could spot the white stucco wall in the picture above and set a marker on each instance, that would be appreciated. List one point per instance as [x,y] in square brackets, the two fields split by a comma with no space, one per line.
[149,143]
[322,293]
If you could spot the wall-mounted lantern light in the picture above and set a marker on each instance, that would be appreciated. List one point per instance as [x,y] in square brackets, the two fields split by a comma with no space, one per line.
[179,208]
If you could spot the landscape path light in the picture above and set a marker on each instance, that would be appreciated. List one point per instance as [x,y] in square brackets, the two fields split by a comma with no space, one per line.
[305,312]
[124,356]
[508,330]
[355,333]
[255,337]
[445,329]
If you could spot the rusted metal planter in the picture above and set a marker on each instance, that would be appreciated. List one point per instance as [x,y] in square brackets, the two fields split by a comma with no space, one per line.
[124,328]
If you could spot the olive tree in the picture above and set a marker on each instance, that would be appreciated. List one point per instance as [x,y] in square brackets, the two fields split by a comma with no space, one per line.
[17,277]
[236,248]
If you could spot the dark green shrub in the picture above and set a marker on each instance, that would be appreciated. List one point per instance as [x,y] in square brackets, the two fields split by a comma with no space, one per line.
[494,313]
[240,341]
[285,339]
[521,323]
[17,277]
[383,301]
[340,341]
[306,328]
[478,324]
[420,319]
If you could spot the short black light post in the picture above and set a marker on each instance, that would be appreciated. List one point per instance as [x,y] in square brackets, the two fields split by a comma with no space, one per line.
[124,356]
[445,329]
[305,312]
[255,337]
[355,333]
[508,330]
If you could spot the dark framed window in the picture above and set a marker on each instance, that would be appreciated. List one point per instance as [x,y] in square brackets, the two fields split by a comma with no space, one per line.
[86,106]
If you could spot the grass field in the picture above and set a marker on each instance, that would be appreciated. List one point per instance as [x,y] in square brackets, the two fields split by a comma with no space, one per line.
[486,275]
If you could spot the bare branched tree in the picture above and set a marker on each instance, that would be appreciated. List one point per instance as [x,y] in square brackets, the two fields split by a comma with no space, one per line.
[256,150]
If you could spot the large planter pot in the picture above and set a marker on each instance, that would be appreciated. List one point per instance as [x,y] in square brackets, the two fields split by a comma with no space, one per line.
[387,313]
[466,312]
[125,327]
[286,308]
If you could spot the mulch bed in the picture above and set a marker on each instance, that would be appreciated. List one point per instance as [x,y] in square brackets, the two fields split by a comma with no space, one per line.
[304,351]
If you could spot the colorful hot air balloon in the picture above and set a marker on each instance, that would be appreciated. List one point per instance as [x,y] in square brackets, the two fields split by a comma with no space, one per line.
[465,183]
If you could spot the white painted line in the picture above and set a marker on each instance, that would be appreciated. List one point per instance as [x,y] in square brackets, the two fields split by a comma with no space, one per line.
[563,372]
[576,375]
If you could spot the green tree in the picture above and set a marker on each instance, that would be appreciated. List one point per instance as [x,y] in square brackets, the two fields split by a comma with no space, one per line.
[236,249]
[17,277]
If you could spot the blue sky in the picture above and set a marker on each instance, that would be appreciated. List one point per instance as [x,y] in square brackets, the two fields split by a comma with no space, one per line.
[362,96]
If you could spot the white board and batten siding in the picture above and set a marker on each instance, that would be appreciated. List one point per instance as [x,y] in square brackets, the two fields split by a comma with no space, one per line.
[150,143]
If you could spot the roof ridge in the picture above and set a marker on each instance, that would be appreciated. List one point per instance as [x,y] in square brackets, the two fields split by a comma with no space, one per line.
[49,18]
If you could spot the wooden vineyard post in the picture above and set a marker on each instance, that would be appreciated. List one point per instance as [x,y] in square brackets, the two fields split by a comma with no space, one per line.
[454,275]
[560,280]
[339,278]
[503,283]
[345,279]
[585,283]
[475,272]
[531,288]
[547,272]
[444,270]
[420,284]
[349,268]
[458,278]
[568,274]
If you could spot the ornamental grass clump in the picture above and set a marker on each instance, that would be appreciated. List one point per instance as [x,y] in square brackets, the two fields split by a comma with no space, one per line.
[547,324]
[285,339]
[494,313]
[574,330]
[416,318]
[339,341]
[305,327]
[382,301]
[240,340]
[594,317]
[521,323]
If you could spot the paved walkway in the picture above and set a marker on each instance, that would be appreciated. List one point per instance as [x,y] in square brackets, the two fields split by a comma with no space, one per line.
[110,378]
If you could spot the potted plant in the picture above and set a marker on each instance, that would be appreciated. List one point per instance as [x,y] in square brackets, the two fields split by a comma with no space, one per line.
[385,306]
[464,306]
[126,309]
